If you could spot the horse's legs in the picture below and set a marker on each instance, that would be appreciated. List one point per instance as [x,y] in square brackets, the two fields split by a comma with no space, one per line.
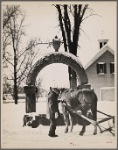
[94,112]
[84,125]
[66,120]
[95,129]
[71,122]
[83,130]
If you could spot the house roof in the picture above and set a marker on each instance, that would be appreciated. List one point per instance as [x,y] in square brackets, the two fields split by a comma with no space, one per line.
[100,53]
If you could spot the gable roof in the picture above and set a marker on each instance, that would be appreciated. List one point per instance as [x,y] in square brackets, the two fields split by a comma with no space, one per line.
[100,53]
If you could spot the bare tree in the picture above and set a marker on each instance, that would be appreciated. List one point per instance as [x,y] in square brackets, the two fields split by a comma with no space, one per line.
[19,57]
[40,89]
[70,19]
[8,13]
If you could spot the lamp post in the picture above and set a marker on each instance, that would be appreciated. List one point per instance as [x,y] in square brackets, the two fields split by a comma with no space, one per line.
[56,43]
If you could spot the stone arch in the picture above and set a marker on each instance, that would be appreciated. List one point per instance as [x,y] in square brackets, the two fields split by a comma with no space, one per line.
[65,58]
[57,57]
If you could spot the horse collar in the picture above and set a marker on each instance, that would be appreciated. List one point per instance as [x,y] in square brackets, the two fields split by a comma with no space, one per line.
[85,100]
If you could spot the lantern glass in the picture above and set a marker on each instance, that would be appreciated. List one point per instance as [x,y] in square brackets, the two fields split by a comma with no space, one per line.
[56,43]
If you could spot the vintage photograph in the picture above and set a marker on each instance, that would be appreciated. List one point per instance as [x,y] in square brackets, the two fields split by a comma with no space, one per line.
[58,74]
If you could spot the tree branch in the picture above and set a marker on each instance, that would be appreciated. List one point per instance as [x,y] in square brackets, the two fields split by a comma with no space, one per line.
[62,27]
[67,24]
[9,14]
[84,10]
[8,61]
[18,69]
[90,16]
[76,28]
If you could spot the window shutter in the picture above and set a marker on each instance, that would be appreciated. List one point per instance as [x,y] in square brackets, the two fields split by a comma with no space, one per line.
[113,68]
[97,67]
[100,45]
[105,68]
[110,67]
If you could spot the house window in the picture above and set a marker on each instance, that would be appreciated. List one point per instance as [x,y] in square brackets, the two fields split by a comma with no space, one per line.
[101,68]
[112,67]
[105,43]
[100,44]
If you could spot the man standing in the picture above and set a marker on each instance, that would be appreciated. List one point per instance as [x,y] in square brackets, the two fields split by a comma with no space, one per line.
[52,103]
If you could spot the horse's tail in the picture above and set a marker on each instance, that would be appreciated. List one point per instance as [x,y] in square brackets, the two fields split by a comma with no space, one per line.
[94,106]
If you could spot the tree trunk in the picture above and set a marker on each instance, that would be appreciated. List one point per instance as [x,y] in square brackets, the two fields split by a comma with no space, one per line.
[72,78]
[15,80]
[72,73]
[71,34]
[15,92]
[62,26]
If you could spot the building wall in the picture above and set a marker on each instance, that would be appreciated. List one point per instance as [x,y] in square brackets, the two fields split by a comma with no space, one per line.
[107,94]
[99,81]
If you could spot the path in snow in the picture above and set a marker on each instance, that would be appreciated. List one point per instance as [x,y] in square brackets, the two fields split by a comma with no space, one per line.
[16,136]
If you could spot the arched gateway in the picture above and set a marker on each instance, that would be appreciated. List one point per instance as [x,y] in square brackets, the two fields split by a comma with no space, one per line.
[57,57]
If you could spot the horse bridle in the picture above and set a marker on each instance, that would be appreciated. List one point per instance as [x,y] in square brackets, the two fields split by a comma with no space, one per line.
[87,102]
[53,91]
[62,101]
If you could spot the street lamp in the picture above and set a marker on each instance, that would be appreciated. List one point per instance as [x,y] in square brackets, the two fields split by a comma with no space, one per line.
[56,43]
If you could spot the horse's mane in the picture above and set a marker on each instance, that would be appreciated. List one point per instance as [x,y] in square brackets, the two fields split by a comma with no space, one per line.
[65,90]
[87,92]
[77,89]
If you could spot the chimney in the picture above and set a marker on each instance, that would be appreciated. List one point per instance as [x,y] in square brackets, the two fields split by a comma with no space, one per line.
[102,42]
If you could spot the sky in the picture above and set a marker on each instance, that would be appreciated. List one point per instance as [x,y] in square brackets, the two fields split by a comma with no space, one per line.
[42,22]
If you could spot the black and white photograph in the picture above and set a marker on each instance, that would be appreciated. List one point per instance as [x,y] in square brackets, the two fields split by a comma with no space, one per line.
[58,74]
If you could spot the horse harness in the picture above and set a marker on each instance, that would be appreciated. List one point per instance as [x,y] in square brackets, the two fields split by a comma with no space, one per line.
[81,104]
[62,101]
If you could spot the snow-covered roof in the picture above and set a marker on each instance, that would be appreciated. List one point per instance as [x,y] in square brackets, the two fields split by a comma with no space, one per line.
[100,53]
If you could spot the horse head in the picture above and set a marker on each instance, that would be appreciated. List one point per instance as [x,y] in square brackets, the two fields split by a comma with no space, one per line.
[55,90]
[85,98]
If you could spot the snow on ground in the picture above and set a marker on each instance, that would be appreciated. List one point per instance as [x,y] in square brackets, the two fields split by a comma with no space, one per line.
[14,135]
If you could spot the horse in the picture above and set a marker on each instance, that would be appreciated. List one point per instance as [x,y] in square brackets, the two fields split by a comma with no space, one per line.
[78,100]
[52,110]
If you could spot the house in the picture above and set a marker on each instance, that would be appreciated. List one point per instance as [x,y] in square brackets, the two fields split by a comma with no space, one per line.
[100,72]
